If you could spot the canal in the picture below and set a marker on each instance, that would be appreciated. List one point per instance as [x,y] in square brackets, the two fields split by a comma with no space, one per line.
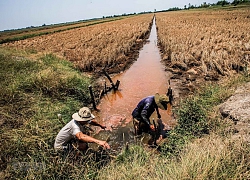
[145,77]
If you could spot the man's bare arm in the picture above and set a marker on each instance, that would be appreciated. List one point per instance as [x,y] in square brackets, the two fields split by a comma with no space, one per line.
[85,138]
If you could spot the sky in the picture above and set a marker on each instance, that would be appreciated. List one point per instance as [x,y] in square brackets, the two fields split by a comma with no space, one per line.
[15,14]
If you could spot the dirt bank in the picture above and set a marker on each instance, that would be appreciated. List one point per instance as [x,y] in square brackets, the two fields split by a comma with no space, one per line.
[237,110]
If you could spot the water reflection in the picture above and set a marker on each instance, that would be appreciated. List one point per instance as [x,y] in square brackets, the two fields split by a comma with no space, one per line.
[144,78]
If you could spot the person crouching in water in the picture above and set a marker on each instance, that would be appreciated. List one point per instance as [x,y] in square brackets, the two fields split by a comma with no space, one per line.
[145,109]
[73,133]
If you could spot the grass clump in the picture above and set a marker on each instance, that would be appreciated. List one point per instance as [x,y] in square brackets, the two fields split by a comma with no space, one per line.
[210,157]
[57,81]
[197,114]
[199,147]
[33,91]
[130,164]
[193,117]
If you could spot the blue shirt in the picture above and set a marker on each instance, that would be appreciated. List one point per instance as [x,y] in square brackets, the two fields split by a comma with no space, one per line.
[145,109]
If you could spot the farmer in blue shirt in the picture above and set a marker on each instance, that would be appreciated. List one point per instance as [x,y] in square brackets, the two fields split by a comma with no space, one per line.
[145,109]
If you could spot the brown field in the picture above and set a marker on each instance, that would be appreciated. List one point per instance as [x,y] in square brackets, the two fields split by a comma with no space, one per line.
[36,31]
[195,45]
[93,47]
[207,44]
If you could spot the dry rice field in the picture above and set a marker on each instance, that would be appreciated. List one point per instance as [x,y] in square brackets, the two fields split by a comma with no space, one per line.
[93,47]
[207,43]
[210,43]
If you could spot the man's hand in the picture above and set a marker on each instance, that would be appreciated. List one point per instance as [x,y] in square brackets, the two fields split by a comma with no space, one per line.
[104,144]
[152,127]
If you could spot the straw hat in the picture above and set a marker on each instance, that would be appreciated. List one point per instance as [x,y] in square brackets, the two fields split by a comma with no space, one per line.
[84,114]
[161,101]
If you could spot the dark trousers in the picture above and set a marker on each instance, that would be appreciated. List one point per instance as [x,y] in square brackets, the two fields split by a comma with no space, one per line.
[141,127]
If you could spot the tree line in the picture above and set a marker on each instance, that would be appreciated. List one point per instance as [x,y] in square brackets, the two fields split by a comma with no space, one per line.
[206,5]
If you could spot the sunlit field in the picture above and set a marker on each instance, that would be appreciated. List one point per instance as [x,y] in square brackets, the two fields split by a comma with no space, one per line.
[40,79]
[212,42]
[28,32]
[101,45]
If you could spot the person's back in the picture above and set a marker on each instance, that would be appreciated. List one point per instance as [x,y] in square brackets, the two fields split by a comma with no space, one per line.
[66,134]
[145,107]
[75,132]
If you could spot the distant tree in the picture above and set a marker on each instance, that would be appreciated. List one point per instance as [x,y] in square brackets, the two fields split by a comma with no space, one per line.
[174,9]
[223,2]
[204,5]
[236,2]
[190,6]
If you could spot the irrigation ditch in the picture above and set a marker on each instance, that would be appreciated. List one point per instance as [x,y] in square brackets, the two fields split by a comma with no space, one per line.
[119,93]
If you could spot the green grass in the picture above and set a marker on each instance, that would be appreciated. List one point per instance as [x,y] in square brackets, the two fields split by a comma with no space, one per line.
[199,147]
[35,89]
[211,157]
[195,113]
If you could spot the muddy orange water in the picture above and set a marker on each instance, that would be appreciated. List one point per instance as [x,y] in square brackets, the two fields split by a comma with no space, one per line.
[144,78]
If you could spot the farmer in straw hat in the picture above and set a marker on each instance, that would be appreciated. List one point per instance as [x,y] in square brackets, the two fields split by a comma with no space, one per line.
[75,131]
[145,109]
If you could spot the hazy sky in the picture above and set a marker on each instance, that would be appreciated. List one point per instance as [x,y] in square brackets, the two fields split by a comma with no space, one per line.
[16,14]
